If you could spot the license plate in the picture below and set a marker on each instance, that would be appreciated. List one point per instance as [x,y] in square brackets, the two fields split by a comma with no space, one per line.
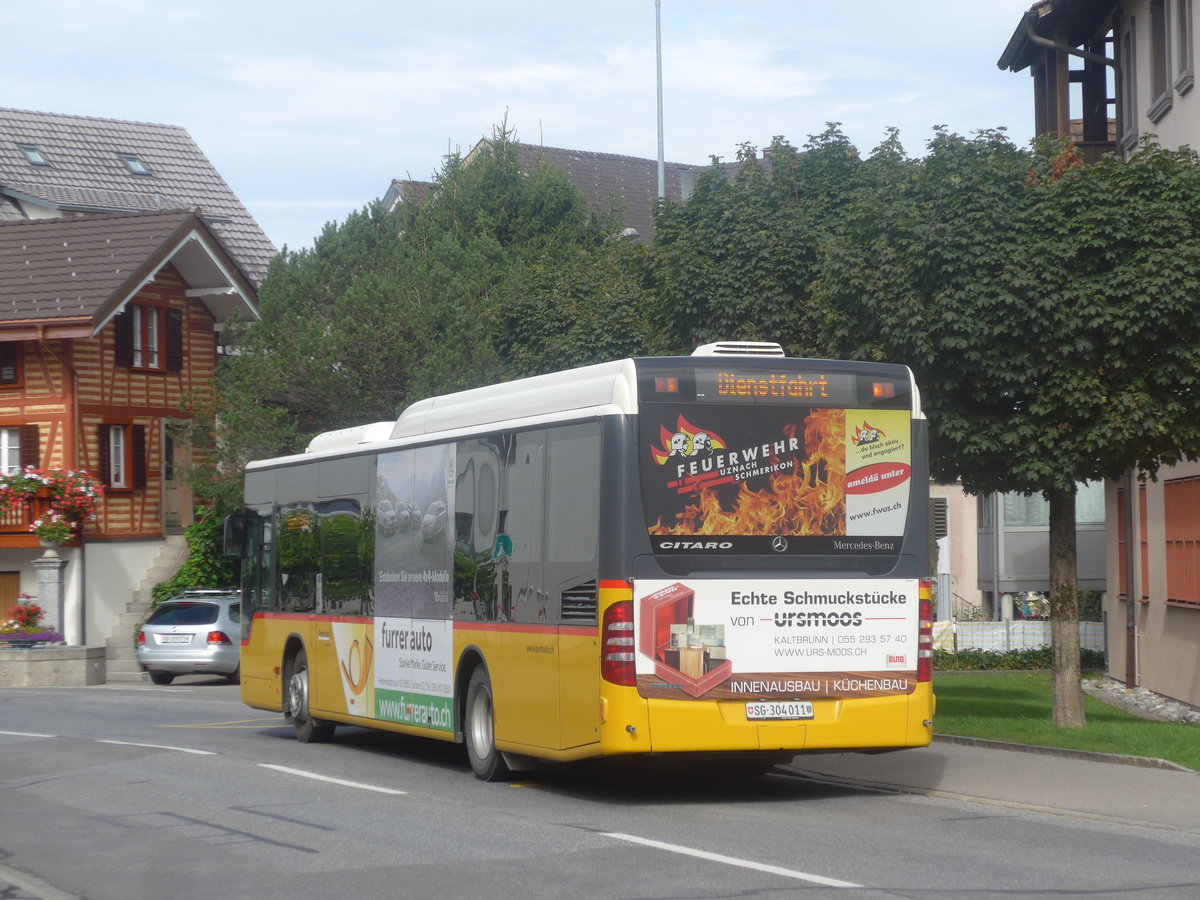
[174,638]
[779,709]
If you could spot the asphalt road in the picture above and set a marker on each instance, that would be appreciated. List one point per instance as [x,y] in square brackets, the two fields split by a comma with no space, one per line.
[181,792]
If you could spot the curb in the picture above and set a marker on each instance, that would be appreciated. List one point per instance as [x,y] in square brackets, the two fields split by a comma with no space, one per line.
[1145,762]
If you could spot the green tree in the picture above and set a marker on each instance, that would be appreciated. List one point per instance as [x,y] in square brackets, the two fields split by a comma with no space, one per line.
[736,260]
[1051,312]
[437,296]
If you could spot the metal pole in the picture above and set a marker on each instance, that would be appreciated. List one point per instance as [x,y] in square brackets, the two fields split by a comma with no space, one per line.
[662,185]
[1131,555]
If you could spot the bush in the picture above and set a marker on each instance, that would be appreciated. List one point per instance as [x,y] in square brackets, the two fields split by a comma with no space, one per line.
[989,660]
[206,566]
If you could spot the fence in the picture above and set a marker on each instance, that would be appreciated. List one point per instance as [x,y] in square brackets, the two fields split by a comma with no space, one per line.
[1018,634]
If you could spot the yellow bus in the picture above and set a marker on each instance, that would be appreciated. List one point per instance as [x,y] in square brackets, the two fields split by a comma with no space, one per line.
[717,556]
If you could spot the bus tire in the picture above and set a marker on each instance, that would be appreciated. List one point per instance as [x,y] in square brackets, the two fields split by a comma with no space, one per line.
[308,730]
[479,729]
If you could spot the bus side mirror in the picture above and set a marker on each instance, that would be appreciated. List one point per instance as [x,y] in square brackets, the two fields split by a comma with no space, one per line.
[234,542]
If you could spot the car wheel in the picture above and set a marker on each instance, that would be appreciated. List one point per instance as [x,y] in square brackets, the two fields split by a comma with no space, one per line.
[162,677]
[308,729]
[235,677]
[480,729]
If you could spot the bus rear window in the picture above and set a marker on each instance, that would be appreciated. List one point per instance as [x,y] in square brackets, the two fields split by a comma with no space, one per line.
[775,478]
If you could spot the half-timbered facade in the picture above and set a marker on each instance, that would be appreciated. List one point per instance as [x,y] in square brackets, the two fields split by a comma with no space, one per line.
[109,333]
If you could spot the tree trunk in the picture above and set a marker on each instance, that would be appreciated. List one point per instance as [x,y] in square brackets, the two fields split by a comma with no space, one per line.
[1064,611]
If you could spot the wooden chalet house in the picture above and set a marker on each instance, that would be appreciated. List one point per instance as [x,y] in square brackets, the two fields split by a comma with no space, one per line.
[122,252]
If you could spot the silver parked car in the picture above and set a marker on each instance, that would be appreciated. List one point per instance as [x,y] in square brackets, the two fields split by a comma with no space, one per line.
[197,632]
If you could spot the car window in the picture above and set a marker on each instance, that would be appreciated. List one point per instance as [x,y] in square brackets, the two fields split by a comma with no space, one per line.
[184,612]
[235,612]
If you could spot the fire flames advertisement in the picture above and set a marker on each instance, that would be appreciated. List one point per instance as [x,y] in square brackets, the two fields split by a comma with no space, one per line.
[775,480]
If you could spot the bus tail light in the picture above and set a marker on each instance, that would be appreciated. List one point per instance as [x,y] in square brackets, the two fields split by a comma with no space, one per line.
[616,638]
[925,634]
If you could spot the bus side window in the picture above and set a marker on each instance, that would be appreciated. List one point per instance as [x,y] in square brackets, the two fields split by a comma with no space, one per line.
[256,563]
[298,558]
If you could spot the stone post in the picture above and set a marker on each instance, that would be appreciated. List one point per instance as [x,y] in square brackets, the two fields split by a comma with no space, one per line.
[51,594]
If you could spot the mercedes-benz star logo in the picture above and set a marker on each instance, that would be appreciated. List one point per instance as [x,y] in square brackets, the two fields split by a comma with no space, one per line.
[779,544]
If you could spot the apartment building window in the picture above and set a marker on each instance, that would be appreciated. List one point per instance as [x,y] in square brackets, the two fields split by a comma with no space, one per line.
[150,338]
[1181,499]
[1182,29]
[1160,61]
[1127,108]
[1141,543]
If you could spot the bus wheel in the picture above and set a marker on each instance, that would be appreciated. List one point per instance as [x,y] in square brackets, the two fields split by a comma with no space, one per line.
[308,730]
[480,729]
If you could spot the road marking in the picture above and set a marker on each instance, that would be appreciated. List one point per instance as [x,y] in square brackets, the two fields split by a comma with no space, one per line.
[341,781]
[732,861]
[27,734]
[161,747]
[234,724]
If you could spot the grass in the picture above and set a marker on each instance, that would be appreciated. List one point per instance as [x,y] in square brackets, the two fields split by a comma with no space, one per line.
[1015,707]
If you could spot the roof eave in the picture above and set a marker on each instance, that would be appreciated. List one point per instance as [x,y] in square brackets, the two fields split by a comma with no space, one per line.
[1017,55]
[46,329]
[197,255]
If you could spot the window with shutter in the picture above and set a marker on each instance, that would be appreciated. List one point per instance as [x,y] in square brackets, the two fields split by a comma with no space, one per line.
[144,338]
[138,439]
[31,451]
[123,456]
[123,334]
[10,450]
[10,363]
[174,340]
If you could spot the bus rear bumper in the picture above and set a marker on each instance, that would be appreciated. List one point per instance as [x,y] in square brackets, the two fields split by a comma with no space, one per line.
[636,725]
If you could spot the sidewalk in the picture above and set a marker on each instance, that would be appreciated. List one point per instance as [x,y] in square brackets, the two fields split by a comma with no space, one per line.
[1130,790]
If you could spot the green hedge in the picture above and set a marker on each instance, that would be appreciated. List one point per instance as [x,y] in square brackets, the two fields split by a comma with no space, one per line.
[978,660]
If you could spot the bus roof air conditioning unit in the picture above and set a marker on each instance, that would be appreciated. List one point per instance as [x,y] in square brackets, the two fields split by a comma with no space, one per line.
[740,348]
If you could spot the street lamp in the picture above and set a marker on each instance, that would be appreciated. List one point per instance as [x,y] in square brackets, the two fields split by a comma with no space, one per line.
[662,189]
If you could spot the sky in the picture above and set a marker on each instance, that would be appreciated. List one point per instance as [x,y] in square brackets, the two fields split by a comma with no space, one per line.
[310,109]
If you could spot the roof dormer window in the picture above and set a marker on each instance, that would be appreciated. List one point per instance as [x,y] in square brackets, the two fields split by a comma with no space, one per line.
[134,165]
[33,154]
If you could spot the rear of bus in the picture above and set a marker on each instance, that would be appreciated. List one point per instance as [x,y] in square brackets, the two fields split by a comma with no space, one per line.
[769,597]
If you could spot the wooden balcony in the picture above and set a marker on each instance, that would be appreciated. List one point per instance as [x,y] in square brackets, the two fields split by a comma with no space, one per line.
[1091,151]
[14,523]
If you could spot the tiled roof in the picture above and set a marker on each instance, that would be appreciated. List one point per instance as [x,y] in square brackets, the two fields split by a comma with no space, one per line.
[82,269]
[85,172]
[628,184]
[1072,21]
[608,180]
[406,189]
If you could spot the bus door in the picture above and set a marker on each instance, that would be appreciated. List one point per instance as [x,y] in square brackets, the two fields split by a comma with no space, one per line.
[572,567]
[527,684]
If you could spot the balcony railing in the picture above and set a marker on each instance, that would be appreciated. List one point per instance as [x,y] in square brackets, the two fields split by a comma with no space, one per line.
[14,523]
[1091,151]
